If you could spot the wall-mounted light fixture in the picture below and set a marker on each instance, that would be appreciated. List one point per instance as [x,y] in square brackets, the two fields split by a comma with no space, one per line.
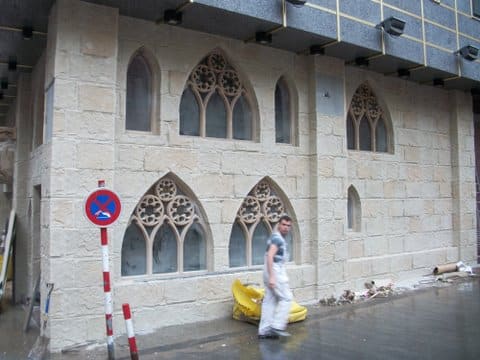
[12,63]
[317,50]
[437,82]
[392,26]
[263,37]
[172,17]
[403,73]
[297,2]
[468,52]
[4,84]
[361,61]
[27,32]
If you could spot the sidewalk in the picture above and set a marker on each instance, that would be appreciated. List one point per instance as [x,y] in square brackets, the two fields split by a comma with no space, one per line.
[438,320]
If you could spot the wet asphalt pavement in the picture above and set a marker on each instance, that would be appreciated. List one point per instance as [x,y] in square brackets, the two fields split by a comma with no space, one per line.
[438,322]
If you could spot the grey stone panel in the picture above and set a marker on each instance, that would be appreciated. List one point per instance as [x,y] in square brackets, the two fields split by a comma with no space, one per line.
[439,14]
[329,4]
[464,6]
[440,36]
[404,48]
[313,20]
[413,25]
[360,34]
[413,6]
[469,69]
[469,26]
[262,9]
[365,10]
[442,60]
[330,95]
[451,3]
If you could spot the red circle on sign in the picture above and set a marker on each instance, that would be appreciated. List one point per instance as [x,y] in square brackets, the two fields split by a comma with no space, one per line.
[103,207]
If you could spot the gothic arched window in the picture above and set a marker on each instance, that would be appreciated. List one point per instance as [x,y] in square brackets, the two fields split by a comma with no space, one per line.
[215,102]
[254,223]
[367,128]
[166,233]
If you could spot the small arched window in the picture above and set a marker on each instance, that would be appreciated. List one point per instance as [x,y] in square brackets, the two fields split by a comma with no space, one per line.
[354,211]
[215,102]
[283,113]
[141,92]
[367,128]
[166,234]
[254,223]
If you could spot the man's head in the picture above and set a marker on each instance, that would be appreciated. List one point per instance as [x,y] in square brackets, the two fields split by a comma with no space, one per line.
[284,224]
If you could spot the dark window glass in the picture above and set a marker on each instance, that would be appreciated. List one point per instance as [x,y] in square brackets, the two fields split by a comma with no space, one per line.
[476,8]
[216,117]
[381,136]
[282,113]
[237,249]
[165,251]
[133,252]
[189,114]
[259,243]
[194,254]
[242,120]
[365,135]
[139,95]
[350,133]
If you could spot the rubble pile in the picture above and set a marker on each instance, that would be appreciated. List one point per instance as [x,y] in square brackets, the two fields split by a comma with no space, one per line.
[350,297]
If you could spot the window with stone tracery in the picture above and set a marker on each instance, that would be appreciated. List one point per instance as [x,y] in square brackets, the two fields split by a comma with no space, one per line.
[254,223]
[215,102]
[366,124]
[166,233]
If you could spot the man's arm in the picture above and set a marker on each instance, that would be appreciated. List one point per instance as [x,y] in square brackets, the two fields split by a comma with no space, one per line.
[272,250]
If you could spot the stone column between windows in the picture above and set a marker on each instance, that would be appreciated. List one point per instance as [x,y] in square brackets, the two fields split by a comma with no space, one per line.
[80,84]
[463,176]
[330,169]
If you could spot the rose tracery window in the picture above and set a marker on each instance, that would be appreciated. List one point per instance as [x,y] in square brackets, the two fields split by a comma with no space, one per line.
[215,103]
[259,213]
[366,125]
[166,233]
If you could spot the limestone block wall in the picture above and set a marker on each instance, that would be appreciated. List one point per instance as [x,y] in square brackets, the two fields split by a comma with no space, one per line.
[408,198]
[219,172]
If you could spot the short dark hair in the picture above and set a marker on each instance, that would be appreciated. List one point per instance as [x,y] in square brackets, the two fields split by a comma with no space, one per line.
[285,217]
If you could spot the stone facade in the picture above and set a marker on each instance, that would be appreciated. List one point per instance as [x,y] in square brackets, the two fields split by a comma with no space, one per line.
[418,202]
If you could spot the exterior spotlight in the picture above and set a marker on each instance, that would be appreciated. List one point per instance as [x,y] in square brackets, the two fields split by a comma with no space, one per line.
[438,82]
[403,73]
[297,2]
[27,32]
[392,26]
[317,50]
[172,17]
[468,52]
[4,84]
[263,38]
[361,62]
[12,63]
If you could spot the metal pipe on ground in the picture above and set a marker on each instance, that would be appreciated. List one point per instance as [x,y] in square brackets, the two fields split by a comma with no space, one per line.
[440,269]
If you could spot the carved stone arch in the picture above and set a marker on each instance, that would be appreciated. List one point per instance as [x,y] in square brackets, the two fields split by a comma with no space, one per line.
[366,103]
[289,82]
[264,204]
[217,73]
[155,77]
[169,202]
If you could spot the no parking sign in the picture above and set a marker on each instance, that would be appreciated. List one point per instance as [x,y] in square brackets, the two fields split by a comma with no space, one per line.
[103,207]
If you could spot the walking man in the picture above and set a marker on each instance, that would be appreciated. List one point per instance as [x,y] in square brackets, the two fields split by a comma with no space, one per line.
[278,296]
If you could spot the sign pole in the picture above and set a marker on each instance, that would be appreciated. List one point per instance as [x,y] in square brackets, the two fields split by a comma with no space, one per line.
[102,208]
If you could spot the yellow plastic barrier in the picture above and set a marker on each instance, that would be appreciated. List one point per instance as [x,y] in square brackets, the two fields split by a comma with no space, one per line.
[248,304]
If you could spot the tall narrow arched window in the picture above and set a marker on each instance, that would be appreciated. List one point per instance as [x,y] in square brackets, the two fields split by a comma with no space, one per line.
[167,233]
[216,103]
[367,127]
[283,113]
[354,211]
[254,223]
[139,96]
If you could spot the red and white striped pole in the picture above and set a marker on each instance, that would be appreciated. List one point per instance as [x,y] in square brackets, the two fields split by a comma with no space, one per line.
[130,333]
[106,287]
